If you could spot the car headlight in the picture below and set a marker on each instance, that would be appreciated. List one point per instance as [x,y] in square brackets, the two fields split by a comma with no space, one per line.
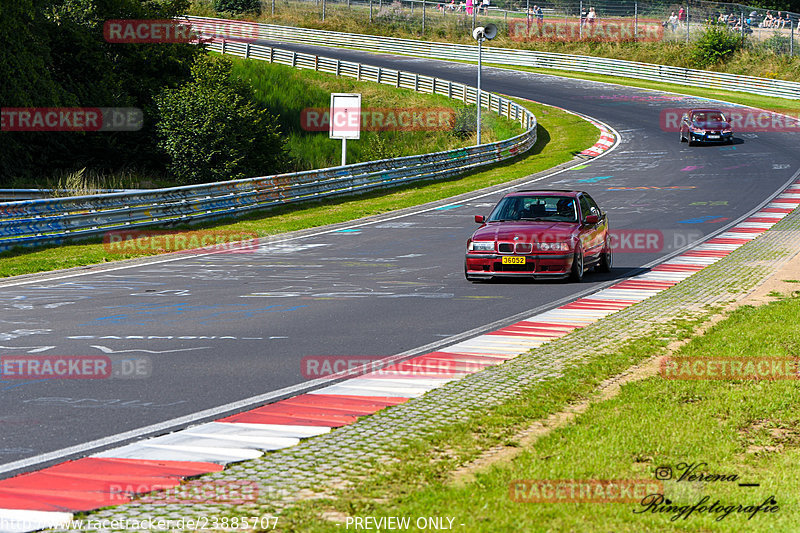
[552,246]
[727,130]
[481,246]
[701,131]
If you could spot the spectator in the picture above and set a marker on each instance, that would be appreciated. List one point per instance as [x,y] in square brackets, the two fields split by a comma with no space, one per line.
[469,7]
[681,16]
[584,13]
[591,17]
[673,21]
[485,7]
[780,22]
[768,20]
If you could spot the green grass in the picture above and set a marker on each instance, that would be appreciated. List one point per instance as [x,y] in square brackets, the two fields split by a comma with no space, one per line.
[287,91]
[747,428]
[561,135]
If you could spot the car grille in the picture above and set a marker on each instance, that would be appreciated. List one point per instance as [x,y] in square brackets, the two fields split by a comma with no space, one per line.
[524,247]
[510,247]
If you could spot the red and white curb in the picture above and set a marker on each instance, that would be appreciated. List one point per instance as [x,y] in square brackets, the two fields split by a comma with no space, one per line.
[606,141]
[47,498]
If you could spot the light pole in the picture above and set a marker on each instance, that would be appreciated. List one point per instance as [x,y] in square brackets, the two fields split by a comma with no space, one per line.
[480,34]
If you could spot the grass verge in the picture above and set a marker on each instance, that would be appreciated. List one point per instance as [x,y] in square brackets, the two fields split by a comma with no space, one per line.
[561,135]
[288,91]
[746,429]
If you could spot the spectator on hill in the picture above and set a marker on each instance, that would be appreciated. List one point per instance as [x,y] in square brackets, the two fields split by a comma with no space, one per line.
[591,17]
[672,21]
[485,6]
[681,16]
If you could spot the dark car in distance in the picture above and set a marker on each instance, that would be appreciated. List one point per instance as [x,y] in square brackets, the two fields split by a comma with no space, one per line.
[706,125]
[540,234]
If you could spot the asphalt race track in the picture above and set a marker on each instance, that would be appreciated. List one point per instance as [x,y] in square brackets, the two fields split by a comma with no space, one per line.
[210,330]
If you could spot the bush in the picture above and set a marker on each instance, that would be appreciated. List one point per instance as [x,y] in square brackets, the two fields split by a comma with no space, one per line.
[238,6]
[778,44]
[212,131]
[716,44]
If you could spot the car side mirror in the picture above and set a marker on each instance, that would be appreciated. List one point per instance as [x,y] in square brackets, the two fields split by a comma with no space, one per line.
[592,219]
[480,219]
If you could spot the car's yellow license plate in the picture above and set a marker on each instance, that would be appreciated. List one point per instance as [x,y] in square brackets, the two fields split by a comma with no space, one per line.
[513,260]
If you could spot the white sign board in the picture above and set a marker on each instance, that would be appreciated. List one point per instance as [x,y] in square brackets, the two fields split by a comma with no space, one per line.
[345,118]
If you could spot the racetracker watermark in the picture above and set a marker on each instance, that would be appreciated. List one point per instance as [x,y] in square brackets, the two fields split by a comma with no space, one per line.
[148,31]
[194,492]
[74,367]
[730,368]
[569,30]
[742,120]
[379,119]
[162,241]
[582,490]
[374,366]
[71,119]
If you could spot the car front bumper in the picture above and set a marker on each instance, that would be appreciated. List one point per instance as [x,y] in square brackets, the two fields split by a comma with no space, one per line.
[539,266]
[710,137]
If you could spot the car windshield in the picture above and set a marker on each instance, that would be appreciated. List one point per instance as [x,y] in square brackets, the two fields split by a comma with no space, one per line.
[550,208]
[703,118]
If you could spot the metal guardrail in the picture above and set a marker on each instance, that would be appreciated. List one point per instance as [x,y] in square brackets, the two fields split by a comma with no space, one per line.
[506,56]
[35,222]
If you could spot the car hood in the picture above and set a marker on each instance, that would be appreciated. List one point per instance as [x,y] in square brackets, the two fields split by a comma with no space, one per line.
[712,125]
[526,231]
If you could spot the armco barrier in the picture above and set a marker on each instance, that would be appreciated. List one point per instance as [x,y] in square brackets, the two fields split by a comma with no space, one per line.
[34,222]
[506,56]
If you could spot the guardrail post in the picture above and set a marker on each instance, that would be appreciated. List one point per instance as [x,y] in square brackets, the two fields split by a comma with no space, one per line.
[380,71]
[465,93]
[271,54]
[416,82]
[358,72]
[338,65]
[247,51]
[398,79]
[294,59]
[449,89]
[316,62]
[223,46]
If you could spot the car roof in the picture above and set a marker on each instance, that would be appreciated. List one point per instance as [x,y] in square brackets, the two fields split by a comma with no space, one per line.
[705,110]
[545,192]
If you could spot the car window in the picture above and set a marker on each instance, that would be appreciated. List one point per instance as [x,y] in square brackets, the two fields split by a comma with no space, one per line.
[586,208]
[594,209]
[534,207]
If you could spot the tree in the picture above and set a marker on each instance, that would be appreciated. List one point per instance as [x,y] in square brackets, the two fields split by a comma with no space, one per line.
[212,131]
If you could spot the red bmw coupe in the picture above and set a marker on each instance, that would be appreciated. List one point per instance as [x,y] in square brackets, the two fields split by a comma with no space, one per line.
[540,234]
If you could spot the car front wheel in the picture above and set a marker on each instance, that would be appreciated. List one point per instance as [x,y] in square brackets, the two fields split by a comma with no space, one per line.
[576,273]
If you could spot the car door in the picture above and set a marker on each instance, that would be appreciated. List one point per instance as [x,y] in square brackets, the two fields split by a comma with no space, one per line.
[595,233]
